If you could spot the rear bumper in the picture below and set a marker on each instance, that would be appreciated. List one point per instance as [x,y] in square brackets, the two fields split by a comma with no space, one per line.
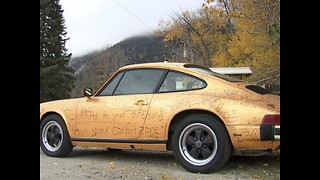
[269,132]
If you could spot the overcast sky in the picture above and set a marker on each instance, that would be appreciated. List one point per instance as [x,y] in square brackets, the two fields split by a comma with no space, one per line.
[96,24]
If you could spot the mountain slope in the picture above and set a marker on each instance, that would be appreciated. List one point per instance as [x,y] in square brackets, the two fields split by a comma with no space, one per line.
[94,68]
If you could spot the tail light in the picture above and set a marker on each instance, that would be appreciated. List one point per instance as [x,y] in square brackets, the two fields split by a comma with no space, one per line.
[271,119]
[270,127]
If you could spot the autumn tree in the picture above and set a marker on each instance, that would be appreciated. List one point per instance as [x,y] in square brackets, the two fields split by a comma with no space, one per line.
[228,33]
[196,35]
[56,76]
[256,39]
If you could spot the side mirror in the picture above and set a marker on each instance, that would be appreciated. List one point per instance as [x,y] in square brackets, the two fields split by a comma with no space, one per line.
[87,92]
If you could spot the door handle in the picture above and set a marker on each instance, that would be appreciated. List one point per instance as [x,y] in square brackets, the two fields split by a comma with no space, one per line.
[141,102]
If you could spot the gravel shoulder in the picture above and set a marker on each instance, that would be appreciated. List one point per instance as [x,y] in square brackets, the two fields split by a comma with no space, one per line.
[100,163]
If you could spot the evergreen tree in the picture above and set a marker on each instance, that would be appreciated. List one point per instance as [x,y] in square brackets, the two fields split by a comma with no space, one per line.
[56,76]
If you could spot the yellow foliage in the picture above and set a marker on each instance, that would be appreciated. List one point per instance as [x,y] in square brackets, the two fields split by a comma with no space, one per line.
[250,44]
[229,33]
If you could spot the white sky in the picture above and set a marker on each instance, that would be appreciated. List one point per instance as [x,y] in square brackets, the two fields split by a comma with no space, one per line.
[96,24]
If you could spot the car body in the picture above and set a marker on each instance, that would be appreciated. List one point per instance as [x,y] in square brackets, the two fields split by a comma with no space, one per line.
[201,116]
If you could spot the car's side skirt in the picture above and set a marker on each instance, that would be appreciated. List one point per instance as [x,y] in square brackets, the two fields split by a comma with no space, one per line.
[120,140]
[121,143]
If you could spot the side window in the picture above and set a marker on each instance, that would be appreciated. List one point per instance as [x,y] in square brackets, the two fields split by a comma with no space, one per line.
[176,81]
[139,81]
[108,90]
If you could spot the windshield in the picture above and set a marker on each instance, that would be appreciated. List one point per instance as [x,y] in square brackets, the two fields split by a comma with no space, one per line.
[209,72]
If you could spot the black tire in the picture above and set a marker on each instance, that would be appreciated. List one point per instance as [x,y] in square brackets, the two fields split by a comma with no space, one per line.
[54,137]
[201,144]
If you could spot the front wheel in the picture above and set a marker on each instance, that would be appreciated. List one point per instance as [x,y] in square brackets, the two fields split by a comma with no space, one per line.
[201,143]
[54,137]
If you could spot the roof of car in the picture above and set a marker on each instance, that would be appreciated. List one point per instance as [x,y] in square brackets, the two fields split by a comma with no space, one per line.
[155,64]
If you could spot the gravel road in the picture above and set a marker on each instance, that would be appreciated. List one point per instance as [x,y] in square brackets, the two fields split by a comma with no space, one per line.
[100,163]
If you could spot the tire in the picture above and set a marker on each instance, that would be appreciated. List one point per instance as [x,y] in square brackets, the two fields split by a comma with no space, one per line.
[54,137]
[201,144]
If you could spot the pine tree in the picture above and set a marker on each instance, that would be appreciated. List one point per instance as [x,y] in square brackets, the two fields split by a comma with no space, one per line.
[56,76]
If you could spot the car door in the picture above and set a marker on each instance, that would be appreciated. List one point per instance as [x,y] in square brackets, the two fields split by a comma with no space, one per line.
[119,110]
[175,95]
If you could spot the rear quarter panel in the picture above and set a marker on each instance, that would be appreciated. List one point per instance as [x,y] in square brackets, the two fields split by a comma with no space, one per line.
[240,110]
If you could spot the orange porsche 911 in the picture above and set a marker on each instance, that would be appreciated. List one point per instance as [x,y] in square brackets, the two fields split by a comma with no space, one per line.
[201,116]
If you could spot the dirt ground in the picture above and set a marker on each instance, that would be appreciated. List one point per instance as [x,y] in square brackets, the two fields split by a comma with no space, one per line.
[100,163]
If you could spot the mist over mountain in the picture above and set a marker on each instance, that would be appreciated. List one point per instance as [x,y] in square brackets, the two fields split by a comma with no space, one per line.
[94,68]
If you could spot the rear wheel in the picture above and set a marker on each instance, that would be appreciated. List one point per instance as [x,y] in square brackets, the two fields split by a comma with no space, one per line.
[54,137]
[201,143]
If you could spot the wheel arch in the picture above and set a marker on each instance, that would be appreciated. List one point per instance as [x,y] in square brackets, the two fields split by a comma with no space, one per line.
[58,114]
[178,117]
[52,113]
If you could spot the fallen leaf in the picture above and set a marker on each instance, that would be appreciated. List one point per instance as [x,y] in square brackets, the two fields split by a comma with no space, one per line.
[112,164]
